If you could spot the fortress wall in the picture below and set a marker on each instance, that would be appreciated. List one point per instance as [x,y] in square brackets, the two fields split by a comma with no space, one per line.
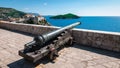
[28,28]
[99,39]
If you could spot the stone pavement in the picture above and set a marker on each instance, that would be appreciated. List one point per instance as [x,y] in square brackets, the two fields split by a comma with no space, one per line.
[72,57]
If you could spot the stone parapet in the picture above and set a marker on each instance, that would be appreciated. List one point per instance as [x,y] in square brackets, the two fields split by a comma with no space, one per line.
[28,28]
[99,39]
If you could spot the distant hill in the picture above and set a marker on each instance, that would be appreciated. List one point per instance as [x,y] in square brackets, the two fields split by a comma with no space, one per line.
[36,14]
[65,16]
[10,12]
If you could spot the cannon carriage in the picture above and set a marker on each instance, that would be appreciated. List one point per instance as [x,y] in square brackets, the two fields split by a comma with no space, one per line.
[48,44]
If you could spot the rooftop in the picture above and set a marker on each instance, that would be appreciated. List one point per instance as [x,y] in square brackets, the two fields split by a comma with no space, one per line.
[77,56]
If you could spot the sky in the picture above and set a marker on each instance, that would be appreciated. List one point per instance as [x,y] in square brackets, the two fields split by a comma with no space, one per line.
[56,7]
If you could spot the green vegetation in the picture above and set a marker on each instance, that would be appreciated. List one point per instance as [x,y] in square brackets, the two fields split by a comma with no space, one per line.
[65,16]
[43,22]
[10,12]
[30,21]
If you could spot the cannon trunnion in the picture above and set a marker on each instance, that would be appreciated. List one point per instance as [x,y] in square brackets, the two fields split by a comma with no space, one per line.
[48,44]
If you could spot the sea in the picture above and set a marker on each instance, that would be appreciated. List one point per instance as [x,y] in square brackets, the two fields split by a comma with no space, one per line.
[102,23]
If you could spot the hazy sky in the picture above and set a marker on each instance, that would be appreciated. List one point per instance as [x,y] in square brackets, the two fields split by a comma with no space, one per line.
[79,7]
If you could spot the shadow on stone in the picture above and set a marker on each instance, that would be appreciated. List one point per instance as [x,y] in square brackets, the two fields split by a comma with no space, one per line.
[23,63]
[99,51]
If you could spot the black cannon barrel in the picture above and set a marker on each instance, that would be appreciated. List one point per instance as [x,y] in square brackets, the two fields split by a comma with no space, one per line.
[55,33]
[47,37]
[42,39]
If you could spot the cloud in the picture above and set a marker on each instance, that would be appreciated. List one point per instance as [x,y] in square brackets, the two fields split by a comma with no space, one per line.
[44,4]
[26,9]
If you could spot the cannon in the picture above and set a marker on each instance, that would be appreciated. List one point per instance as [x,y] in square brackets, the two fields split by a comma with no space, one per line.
[48,44]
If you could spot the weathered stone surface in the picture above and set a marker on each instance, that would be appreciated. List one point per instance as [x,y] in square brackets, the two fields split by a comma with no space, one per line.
[112,65]
[77,56]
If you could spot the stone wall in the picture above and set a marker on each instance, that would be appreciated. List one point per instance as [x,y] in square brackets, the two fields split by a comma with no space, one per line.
[99,39]
[28,28]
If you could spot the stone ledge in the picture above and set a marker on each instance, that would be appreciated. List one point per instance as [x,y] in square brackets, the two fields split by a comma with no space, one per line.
[98,31]
[94,38]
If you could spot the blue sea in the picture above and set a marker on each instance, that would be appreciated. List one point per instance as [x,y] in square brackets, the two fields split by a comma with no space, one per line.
[105,23]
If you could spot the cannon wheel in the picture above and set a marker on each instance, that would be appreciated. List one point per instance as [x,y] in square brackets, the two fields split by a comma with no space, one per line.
[70,42]
[53,54]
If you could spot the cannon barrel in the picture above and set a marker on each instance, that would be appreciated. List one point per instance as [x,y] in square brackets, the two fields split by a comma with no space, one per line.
[53,34]
[42,39]
[46,37]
